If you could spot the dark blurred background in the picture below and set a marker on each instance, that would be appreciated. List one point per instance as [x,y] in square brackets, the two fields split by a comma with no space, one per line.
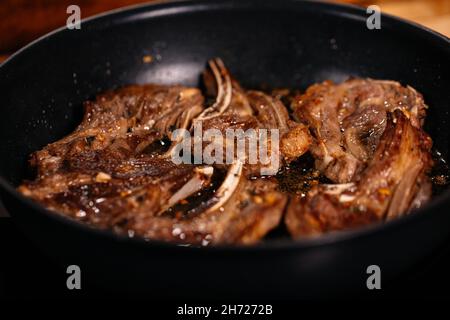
[22,21]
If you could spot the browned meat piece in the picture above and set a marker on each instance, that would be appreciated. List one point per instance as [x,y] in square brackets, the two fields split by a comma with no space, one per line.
[295,142]
[142,198]
[348,119]
[272,114]
[113,152]
[394,182]
[148,185]
[123,123]
[254,208]
[115,172]
[237,109]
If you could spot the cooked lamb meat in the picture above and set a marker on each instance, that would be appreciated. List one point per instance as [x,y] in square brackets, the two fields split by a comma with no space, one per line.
[117,170]
[121,124]
[393,183]
[146,188]
[237,109]
[254,208]
[348,119]
[271,114]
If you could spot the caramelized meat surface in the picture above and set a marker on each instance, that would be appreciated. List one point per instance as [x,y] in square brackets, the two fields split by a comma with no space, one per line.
[394,182]
[115,171]
[347,120]
[347,155]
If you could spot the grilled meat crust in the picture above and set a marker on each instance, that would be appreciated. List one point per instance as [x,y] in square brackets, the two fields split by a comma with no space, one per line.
[115,170]
[394,177]
[347,120]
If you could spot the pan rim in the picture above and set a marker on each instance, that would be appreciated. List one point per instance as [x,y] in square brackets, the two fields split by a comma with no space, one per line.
[182,6]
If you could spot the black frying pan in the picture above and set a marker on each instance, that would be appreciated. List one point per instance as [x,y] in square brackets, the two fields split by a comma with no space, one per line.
[273,43]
